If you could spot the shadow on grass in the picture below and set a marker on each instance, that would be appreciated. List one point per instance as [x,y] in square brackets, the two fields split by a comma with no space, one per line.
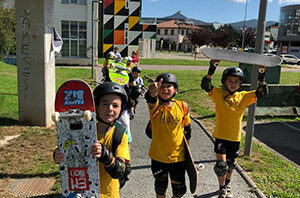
[24,176]
[8,122]
[189,90]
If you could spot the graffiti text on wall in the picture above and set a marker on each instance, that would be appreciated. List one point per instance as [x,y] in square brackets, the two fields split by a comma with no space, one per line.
[25,51]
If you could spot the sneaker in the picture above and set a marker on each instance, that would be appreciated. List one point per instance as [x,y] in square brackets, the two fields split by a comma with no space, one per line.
[228,192]
[222,193]
[132,115]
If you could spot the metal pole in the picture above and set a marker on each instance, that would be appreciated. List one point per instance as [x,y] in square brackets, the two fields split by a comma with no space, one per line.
[243,39]
[259,44]
[92,30]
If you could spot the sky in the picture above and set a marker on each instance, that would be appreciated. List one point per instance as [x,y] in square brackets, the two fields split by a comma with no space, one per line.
[222,11]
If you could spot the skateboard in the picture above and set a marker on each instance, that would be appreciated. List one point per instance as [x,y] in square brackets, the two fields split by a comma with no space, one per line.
[117,72]
[190,167]
[76,131]
[259,60]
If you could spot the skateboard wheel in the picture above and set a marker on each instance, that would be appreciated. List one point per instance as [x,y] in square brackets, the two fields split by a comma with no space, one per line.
[55,116]
[87,115]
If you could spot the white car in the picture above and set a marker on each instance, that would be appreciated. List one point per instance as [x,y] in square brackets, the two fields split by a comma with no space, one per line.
[289,59]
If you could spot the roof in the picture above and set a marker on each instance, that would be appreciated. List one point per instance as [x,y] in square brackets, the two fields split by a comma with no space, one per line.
[177,24]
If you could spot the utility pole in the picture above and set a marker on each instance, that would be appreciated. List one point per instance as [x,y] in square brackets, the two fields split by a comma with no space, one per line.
[92,30]
[259,44]
[243,39]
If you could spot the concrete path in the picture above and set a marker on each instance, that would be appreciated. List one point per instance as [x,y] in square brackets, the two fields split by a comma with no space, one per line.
[141,183]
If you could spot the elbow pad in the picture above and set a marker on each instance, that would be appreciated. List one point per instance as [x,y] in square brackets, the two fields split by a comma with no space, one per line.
[188,132]
[117,169]
[206,84]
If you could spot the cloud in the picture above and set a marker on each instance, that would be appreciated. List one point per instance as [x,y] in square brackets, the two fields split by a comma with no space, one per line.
[288,1]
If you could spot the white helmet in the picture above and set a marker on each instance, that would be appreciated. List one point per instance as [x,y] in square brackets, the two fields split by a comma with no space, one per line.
[129,59]
[111,55]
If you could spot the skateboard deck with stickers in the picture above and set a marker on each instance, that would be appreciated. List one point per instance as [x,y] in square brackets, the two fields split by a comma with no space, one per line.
[76,131]
[117,72]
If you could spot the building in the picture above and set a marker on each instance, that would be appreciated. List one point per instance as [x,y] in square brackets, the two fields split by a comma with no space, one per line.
[72,19]
[176,31]
[289,30]
[99,26]
[122,27]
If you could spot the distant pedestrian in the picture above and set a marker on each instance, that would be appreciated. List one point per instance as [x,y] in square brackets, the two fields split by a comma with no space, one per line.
[135,59]
[230,105]
[169,123]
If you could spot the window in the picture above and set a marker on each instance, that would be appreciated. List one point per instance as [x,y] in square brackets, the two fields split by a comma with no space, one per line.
[158,31]
[166,32]
[126,33]
[172,32]
[126,4]
[182,32]
[80,2]
[74,35]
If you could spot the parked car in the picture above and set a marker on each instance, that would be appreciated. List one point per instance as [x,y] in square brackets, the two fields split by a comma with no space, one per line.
[269,54]
[289,59]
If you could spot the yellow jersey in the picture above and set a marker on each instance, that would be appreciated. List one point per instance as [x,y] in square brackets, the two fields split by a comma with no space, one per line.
[167,125]
[109,187]
[229,112]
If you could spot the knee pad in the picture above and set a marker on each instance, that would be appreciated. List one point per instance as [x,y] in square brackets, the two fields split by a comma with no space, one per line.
[220,168]
[231,165]
[161,185]
[178,189]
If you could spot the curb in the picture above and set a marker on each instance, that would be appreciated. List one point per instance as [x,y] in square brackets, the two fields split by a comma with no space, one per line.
[238,168]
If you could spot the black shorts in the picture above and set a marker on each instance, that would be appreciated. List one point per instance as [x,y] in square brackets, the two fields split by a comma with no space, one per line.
[231,149]
[176,170]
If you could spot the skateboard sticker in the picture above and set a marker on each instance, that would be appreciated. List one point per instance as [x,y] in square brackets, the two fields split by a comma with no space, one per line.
[74,97]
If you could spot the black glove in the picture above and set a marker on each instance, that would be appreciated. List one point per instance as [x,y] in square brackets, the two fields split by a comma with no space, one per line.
[212,67]
[206,84]
[106,156]
[262,90]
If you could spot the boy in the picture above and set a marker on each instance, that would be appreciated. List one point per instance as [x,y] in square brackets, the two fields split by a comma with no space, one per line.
[110,99]
[136,90]
[135,59]
[230,108]
[169,124]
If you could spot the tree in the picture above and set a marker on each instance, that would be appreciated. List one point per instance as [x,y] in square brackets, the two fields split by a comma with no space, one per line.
[7,29]
[224,36]
[200,37]
[249,39]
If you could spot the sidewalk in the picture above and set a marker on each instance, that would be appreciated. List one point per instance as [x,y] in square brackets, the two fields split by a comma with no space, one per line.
[141,183]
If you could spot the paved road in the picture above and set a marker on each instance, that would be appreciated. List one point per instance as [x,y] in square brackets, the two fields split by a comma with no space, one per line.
[281,137]
[141,183]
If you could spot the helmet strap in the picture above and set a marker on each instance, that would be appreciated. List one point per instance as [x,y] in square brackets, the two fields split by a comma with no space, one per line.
[168,100]
[102,121]
[226,89]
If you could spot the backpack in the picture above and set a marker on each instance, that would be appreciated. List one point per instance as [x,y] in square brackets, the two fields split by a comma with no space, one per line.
[116,140]
[148,129]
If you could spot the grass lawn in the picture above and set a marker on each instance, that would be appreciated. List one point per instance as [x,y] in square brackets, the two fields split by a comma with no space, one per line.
[273,175]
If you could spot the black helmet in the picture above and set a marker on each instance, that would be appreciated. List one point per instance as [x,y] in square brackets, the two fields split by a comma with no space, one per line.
[109,88]
[136,69]
[168,78]
[232,71]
